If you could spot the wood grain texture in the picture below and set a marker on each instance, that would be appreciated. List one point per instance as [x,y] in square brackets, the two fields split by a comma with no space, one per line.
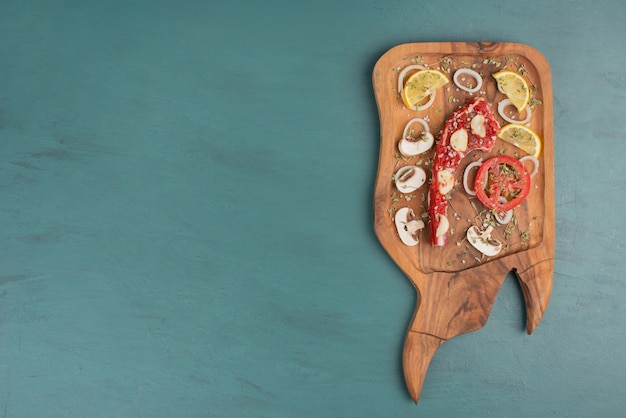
[187,215]
[456,286]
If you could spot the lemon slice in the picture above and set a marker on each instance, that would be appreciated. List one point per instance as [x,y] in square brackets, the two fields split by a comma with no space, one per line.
[522,137]
[421,85]
[514,87]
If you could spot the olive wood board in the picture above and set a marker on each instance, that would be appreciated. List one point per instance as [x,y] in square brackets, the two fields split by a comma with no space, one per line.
[457,285]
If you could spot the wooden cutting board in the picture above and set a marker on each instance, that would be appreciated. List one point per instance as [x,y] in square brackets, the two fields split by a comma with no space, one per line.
[456,284]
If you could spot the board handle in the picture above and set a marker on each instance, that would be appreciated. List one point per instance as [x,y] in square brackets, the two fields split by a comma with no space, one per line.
[449,304]
[419,350]
[536,284]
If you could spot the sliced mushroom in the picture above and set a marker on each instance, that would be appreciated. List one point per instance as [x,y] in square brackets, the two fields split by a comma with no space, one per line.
[414,144]
[408,228]
[478,126]
[411,146]
[409,178]
[458,140]
[483,242]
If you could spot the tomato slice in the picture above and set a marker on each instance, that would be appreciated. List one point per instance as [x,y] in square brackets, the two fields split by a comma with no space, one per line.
[502,183]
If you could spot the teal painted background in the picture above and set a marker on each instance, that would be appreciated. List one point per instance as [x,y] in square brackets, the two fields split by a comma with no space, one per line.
[186,214]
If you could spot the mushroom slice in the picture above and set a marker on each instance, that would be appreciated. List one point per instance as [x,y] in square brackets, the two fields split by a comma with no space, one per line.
[408,228]
[483,242]
[409,178]
[410,146]
[414,144]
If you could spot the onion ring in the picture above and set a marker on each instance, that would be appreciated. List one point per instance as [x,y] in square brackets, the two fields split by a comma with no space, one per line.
[534,161]
[466,175]
[401,78]
[403,73]
[428,104]
[506,102]
[508,215]
[411,122]
[471,73]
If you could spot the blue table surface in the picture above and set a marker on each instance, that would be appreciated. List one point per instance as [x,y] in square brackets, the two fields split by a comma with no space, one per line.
[186,214]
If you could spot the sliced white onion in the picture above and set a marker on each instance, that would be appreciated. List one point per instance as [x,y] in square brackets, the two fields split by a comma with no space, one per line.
[466,176]
[401,78]
[508,215]
[535,163]
[417,144]
[428,104]
[403,73]
[471,73]
[506,102]
[411,122]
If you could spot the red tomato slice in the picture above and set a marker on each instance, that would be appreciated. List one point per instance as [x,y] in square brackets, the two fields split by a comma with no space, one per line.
[502,183]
